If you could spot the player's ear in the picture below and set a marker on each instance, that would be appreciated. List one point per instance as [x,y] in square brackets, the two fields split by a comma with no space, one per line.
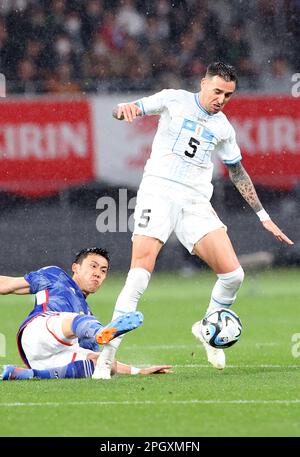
[203,82]
[75,267]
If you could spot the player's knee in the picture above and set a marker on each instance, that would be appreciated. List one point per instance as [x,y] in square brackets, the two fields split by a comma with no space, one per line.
[66,327]
[239,275]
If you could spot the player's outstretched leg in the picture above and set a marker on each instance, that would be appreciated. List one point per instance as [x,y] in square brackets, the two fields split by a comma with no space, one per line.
[215,356]
[122,324]
[88,328]
[77,369]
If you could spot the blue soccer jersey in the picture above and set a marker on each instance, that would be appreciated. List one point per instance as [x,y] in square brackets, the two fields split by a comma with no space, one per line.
[55,291]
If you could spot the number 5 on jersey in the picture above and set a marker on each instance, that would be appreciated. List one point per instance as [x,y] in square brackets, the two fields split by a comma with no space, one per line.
[145,217]
[193,143]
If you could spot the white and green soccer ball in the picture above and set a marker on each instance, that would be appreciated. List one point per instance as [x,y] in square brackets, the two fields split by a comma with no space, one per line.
[221,328]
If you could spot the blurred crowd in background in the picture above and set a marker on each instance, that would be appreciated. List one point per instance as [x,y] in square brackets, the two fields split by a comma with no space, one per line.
[90,46]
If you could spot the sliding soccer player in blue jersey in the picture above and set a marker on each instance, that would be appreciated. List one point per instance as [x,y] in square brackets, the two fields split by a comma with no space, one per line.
[60,337]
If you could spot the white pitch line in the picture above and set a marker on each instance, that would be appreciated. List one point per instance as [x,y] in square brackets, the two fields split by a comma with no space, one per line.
[130,347]
[152,402]
[206,365]
[237,366]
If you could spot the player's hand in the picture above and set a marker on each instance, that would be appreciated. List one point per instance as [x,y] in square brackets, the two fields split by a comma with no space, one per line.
[127,112]
[271,227]
[157,369]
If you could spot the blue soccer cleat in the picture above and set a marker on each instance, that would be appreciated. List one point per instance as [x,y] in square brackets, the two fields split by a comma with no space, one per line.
[119,326]
[13,373]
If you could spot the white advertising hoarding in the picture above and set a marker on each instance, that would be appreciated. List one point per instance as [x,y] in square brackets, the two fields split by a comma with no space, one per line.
[122,148]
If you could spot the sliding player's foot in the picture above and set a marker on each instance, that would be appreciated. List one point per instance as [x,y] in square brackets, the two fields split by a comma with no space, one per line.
[215,356]
[119,326]
[13,373]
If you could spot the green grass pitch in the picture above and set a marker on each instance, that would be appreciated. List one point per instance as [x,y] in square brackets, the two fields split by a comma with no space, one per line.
[258,394]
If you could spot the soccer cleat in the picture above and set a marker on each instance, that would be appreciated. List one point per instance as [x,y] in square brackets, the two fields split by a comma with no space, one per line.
[122,324]
[215,356]
[13,373]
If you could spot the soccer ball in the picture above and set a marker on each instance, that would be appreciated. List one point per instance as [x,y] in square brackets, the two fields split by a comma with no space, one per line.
[221,329]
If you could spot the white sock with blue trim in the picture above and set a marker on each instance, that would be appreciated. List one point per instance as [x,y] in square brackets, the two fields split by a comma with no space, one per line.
[225,290]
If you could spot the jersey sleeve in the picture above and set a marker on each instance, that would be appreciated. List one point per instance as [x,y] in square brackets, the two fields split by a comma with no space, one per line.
[229,150]
[154,104]
[41,279]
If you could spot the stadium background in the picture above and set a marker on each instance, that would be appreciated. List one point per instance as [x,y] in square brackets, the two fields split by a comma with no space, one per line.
[67,63]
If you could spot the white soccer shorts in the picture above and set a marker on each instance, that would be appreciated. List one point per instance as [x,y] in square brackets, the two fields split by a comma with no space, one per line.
[164,206]
[45,345]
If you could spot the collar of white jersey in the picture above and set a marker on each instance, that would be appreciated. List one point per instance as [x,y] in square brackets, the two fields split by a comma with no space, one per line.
[203,110]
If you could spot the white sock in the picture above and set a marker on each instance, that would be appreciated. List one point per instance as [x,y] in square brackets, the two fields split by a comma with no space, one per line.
[135,285]
[225,289]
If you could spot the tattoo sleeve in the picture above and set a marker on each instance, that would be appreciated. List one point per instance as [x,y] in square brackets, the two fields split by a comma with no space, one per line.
[244,185]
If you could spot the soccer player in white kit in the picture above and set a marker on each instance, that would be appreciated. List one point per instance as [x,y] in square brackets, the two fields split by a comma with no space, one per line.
[175,194]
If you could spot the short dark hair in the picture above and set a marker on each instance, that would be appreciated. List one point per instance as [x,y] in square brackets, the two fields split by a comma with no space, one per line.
[225,71]
[81,255]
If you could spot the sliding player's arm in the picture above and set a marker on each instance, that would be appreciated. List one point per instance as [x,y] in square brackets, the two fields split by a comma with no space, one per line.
[9,285]
[244,185]
[122,368]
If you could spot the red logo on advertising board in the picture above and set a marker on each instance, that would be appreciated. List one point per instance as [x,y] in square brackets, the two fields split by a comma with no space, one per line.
[45,146]
[268,133]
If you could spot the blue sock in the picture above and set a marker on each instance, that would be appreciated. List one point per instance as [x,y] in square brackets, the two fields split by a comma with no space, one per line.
[85,328]
[79,369]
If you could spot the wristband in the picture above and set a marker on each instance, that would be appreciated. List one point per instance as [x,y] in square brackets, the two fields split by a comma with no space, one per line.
[263,215]
[134,370]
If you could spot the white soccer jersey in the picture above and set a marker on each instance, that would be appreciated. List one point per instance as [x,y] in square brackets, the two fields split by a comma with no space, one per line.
[186,137]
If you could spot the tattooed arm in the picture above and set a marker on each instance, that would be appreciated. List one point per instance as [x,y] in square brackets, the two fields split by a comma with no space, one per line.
[244,185]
